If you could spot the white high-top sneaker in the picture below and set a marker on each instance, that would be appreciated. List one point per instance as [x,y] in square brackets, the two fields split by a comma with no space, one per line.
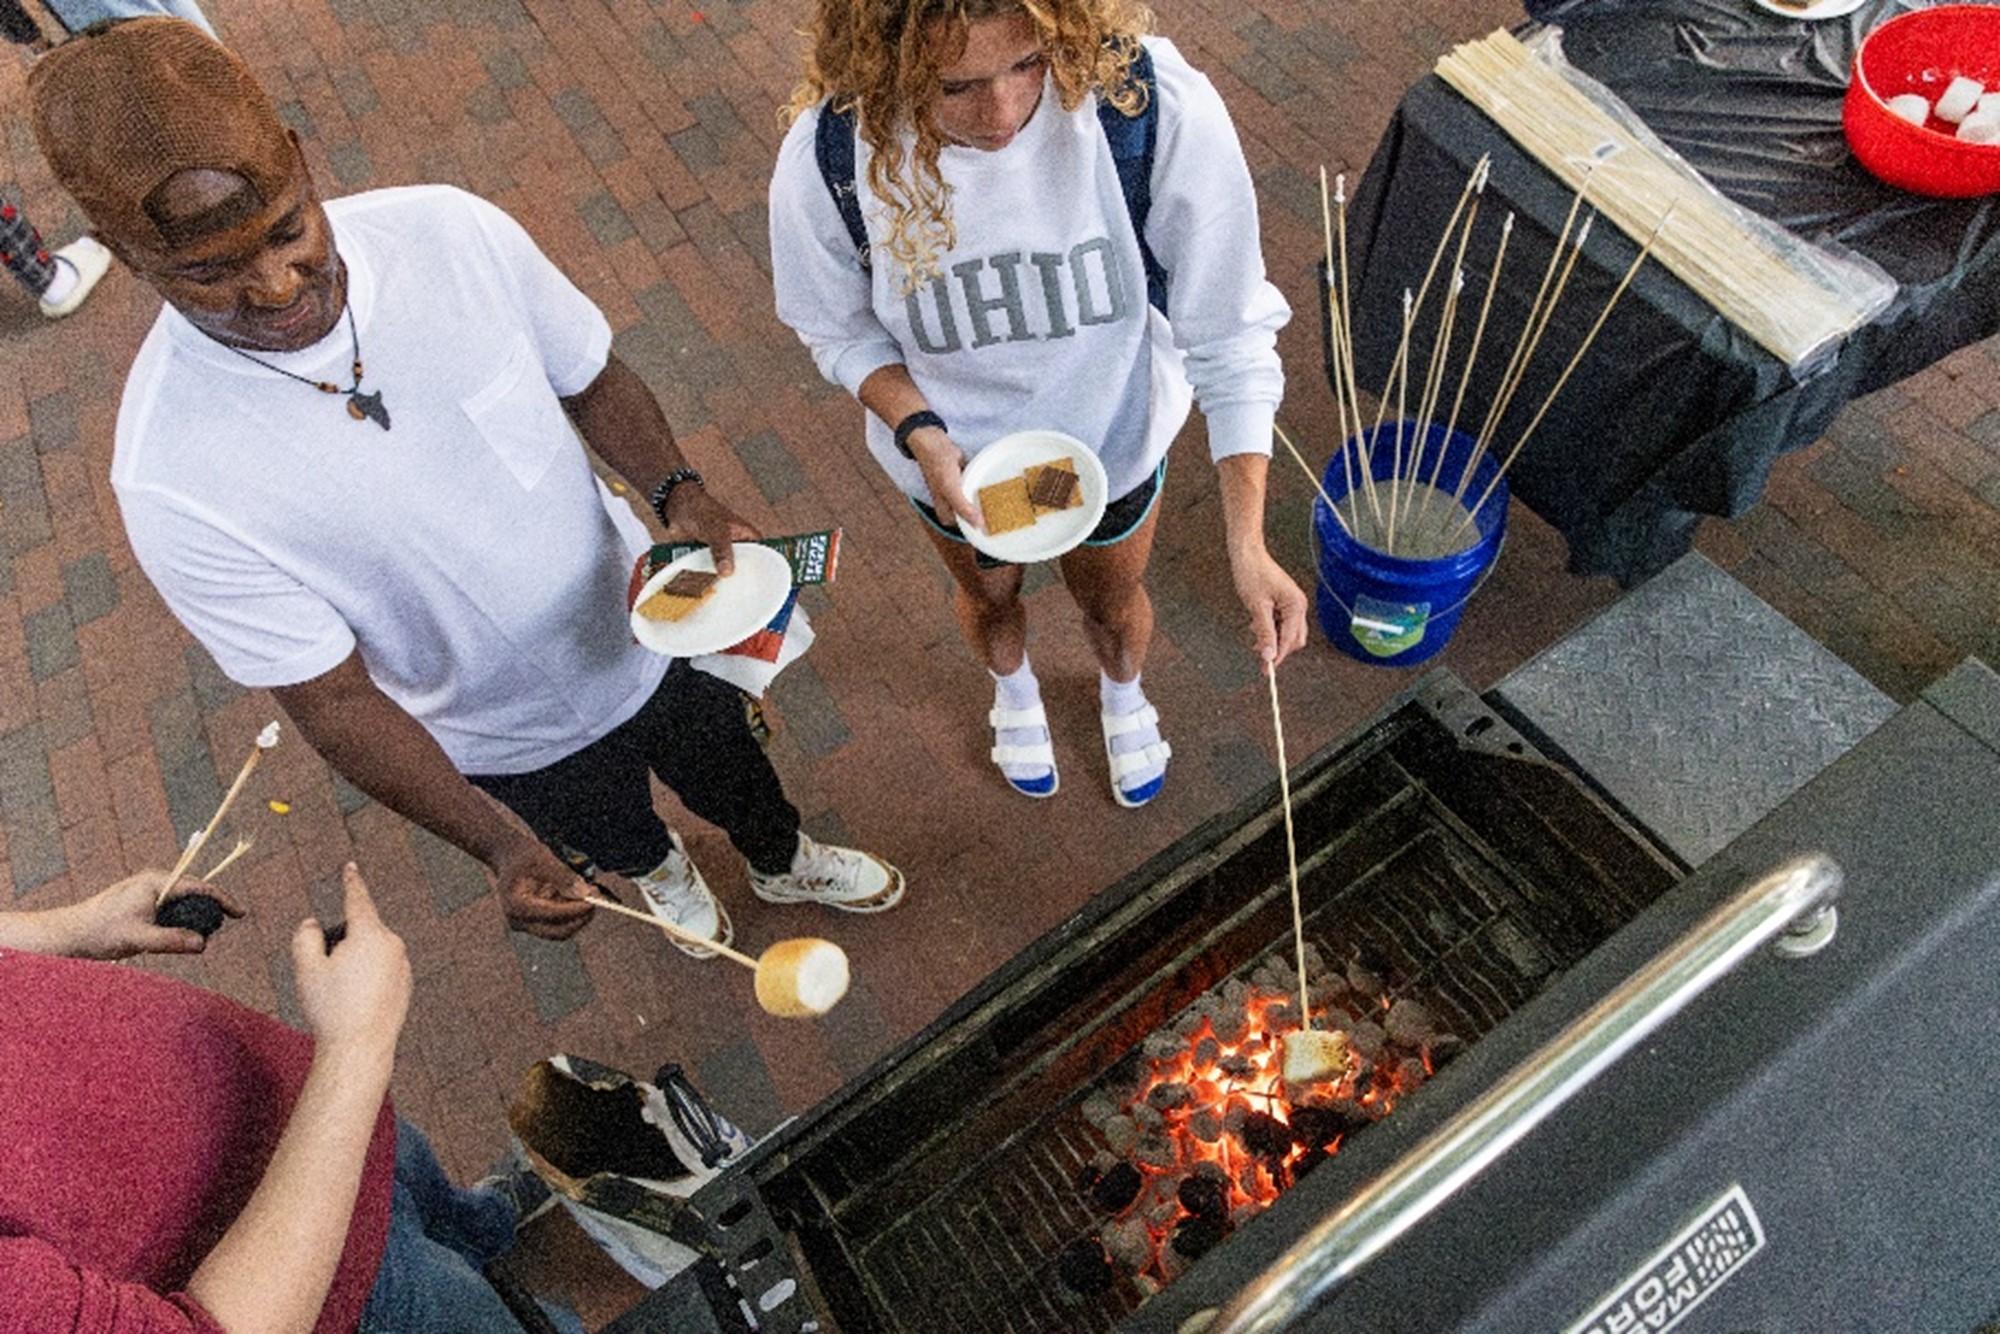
[840,878]
[675,892]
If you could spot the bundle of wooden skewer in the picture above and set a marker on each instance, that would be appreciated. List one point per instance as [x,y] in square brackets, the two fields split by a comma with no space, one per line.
[1789,305]
[1406,511]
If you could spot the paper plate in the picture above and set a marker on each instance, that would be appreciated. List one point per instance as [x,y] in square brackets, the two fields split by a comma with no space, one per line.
[1052,534]
[1819,9]
[740,606]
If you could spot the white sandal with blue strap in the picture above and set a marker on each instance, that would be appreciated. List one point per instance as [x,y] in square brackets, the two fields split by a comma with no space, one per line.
[1149,757]
[1021,756]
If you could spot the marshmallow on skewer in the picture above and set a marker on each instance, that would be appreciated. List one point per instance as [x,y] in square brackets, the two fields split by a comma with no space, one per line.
[802,978]
[1314,1056]
[268,738]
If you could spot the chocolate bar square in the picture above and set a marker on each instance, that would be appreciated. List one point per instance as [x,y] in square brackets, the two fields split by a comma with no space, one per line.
[689,584]
[1053,488]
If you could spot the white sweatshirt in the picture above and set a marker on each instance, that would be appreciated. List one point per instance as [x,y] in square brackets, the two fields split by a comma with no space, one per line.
[1040,318]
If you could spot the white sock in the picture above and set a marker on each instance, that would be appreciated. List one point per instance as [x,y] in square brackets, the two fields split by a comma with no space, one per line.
[1120,698]
[1019,690]
[62,283]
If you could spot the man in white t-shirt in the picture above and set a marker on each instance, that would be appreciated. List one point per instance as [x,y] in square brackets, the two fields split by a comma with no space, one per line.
[345,458]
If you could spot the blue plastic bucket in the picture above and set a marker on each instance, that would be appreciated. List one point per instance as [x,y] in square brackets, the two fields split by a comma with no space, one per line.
[1396,611]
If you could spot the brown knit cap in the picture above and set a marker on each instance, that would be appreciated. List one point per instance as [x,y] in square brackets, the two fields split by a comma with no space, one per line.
[121,109]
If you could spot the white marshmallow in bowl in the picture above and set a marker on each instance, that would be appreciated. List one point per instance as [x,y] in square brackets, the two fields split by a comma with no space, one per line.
[1912,107]
[1959,98]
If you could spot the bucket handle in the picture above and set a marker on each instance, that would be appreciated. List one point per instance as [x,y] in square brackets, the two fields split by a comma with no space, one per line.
[1312,526]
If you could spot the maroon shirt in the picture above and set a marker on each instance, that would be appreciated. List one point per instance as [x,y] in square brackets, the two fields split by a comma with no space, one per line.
[137,1115]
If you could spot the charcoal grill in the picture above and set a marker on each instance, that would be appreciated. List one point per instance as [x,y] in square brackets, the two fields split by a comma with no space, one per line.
[935,1191]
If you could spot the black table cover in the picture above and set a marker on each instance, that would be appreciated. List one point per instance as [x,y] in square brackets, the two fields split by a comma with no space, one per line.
[1675,413]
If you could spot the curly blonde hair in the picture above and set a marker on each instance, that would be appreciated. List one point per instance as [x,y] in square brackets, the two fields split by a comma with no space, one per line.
[882,60]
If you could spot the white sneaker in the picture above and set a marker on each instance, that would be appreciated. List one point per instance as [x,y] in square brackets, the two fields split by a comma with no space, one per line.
[89,260]
[675,892]
[836,877]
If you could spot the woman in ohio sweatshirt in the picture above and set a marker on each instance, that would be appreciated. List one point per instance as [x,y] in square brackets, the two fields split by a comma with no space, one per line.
[1004,287]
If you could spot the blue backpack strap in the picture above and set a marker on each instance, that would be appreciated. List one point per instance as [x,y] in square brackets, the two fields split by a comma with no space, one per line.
[1132,140]
[833,145]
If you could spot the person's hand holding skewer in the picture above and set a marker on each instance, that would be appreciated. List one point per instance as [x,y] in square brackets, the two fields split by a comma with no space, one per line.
[540,895]
[1274,600]
[694,514]
[117,923]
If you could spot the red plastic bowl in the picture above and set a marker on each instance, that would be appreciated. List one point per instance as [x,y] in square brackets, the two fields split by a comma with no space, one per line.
[1921,52]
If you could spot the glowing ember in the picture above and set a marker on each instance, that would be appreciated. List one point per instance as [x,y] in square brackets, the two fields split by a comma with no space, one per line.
[1201,1130]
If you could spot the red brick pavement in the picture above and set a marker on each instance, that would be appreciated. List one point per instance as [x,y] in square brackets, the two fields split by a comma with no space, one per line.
[634,137]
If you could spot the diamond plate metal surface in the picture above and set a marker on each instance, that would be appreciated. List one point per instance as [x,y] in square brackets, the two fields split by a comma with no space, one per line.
[1696,705]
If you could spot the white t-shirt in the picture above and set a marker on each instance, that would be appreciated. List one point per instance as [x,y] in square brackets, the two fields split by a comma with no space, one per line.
[1038,318]
[470,552]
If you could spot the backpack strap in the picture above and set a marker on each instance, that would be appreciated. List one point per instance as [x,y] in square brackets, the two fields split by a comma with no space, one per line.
[1132,140]
[833,146]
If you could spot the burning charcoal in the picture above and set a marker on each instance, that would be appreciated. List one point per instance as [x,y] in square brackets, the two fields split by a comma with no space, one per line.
[1196,1237]
[1410,1074]
[1232,1028]
[1209,1003]
[1364,979]
[1085,1268]
[1409,1023]
[1161,1213]
[1147,1117]
[1129,1244]
[1121,1133]
[1125,1079]
[1306,1162]
[1243,1213]
[1210,1170]
[1204,1198]
[1148,1286]
[1235,995]
[1205,1126]
[1156,1151]
[1280,1017]
[1207,1052]
[1444,1047]
[1315,961]
[1167,1097]
[1316,1126]
[1173,1264]
[1189,1023]
[1234,1115]
[1237,1066]
[1368,1038]
[1099,1108]
[1104,1160]
[1163,1046]
[1266,1136]
[1324,993]
[1088,1176]
[1117,1190]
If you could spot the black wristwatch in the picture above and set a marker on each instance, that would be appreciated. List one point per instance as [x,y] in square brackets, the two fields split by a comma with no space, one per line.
[665,490]
[913,423]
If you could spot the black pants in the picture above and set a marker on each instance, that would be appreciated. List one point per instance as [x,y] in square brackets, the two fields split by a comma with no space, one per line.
[694,735]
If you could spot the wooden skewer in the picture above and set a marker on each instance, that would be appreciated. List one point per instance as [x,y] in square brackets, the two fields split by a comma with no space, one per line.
[200,840]
[1333,344]
[1365,444]
[1286,441]
[1291,845]
[243,845]
[1440,353]
[1577,356]
[1402,412]
[1471,359]
[679,933]
[1513,387]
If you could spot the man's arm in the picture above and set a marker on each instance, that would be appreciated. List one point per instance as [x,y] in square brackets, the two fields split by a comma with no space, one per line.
[618,417]
[1276,605]
[386,753]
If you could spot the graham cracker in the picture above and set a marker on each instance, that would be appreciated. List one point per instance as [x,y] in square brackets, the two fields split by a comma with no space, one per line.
[1006,506]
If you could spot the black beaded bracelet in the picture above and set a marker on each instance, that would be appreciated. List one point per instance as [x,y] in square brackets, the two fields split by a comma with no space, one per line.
[665,490]
[913,423]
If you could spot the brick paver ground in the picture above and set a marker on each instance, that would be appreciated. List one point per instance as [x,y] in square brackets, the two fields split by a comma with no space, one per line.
[634,139]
